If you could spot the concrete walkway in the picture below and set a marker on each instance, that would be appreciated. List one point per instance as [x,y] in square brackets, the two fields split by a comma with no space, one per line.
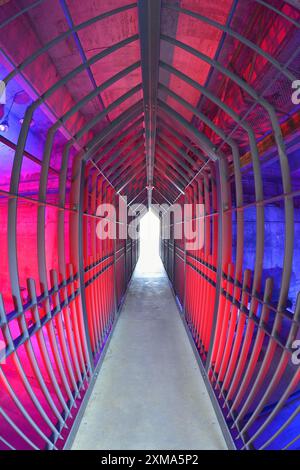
[149,393]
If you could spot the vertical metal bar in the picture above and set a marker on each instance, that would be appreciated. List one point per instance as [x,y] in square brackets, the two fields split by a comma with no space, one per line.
[149,29]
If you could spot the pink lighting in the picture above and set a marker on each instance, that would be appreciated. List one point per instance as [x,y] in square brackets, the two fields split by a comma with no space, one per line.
[167,102]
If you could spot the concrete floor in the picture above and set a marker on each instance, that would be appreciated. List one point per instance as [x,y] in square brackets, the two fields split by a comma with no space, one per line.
[149,393]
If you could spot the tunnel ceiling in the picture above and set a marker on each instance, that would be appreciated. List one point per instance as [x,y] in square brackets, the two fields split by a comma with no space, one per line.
[158,101]
[149,93]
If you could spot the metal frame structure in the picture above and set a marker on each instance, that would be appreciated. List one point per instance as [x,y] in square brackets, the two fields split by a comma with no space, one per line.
[165,147]
[149,27]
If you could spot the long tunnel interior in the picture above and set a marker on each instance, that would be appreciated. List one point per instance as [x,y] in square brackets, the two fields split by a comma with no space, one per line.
[189,109]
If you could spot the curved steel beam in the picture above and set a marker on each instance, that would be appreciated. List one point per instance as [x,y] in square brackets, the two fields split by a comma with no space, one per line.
[121,149]
[135,197]
[279,12]
[171,173]
[187,143]
[167,188]
[20,13]
[63,36]
[289,209]
[135,175]
[177,185]
[164,197]
[118,124]
[201,139]
[149,28]
[128,168]
[109,146]
[257,181]
[169,166]
[128,155]
[175,149]
[172,158]
[226,29]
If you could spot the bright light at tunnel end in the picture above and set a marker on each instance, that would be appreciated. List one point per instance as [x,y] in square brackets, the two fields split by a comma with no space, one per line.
[185,220]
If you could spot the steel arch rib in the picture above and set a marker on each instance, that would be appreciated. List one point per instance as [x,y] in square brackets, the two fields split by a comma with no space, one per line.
[149,29]
[182,139]
[108,147]
[289,234]
[234,34]
[170,160]
[63,36]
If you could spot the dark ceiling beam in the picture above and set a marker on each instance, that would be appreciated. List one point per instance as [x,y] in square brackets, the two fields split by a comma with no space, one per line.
[243,40]
[185,141]
[160,178]
[202,140]
[167,158]
[149,28]
[135,196]
[171,153]
[281,13]
[81,51]
[110,145]
[138,194]
[166,142]
[176,185]
[122,163]
[123,172]
[113,128]
[162,196]
[115,156]
[12,146]
[171,174]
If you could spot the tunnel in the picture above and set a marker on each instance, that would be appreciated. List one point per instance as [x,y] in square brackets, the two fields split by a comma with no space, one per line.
[187,112]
